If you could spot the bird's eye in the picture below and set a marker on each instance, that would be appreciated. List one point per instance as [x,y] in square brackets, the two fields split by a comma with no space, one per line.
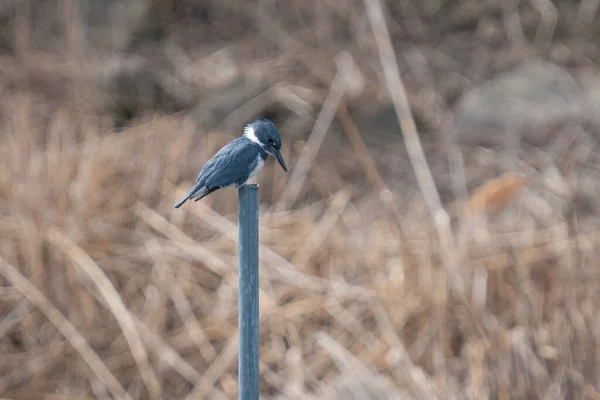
[270,140]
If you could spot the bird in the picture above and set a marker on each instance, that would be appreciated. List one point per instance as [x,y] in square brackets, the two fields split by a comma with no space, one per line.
[238,161]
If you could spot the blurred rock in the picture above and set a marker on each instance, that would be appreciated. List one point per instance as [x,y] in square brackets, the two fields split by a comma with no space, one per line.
[518,105]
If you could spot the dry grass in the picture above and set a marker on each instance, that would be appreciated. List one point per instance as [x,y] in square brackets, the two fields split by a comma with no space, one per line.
[106,291]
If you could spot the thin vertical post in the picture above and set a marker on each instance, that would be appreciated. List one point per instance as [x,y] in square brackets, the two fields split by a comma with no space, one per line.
[248,354]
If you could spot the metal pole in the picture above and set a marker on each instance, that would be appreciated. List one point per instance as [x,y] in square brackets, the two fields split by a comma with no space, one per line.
[248,355]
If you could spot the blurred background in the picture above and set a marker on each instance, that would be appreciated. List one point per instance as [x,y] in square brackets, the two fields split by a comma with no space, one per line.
[480,283]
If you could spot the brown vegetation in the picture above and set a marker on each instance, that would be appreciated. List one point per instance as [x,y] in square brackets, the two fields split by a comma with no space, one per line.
[369,288]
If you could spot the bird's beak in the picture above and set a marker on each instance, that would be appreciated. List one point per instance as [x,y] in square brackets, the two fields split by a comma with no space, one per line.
[277,155]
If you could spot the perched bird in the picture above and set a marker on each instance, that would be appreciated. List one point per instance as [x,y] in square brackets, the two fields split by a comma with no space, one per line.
[238,161]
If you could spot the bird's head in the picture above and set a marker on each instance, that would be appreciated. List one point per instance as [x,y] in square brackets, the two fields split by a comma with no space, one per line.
[263,132]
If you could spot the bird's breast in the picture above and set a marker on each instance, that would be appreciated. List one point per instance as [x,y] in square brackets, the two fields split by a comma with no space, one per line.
[256,166]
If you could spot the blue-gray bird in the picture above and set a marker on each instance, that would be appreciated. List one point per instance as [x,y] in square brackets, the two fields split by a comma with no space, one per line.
[238,161]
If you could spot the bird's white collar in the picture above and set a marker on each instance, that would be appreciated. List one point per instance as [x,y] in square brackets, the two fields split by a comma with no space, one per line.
[251,136]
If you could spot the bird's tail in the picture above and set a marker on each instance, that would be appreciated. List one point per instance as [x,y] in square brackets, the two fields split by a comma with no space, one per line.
[184,199]
[196,192]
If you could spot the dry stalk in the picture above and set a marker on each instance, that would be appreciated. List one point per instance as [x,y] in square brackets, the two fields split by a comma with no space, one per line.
[13,317]
[359,146]
[330,106]
[167,353]
[65,327]
[412,141]
[512,23]
[194,249]
[197,334]
[216,369]
[371,171]
[115,305]
[286,270]
[186,243]
[586,13]
[354,369]
[314,242]
[41,360]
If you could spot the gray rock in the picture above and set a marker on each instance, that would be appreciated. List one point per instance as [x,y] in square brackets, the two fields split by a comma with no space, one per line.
[518,105]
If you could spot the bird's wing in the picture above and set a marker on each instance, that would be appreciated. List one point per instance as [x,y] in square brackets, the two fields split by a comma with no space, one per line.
[231,164]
